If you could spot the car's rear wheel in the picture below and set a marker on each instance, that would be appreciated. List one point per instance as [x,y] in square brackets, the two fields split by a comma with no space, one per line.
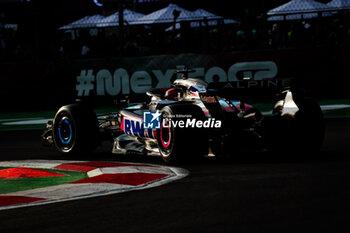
[302,133]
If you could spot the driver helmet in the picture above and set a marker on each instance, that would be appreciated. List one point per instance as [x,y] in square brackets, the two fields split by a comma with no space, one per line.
[171,94]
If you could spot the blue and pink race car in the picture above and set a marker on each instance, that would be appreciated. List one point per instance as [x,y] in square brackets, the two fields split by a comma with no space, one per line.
[190,120]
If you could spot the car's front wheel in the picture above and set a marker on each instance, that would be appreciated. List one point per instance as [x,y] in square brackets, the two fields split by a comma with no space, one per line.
[75,129]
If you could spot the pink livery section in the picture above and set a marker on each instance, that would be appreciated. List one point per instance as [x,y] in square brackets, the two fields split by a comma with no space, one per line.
[233,106]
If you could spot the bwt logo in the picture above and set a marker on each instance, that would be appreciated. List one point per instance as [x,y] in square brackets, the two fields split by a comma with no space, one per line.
[151,120]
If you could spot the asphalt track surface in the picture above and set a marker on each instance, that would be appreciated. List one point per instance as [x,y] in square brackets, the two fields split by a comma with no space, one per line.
[251,192]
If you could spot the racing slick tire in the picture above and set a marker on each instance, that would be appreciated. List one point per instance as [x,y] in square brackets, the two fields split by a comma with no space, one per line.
[310,126]
[75,129]
[176,143]
[302,133]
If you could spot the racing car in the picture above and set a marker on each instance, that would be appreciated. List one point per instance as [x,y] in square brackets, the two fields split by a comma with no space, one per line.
[189,120]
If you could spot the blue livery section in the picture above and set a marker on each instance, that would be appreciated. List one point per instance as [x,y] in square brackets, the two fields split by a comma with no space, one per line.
[137,106]
[135,127]
[197,88]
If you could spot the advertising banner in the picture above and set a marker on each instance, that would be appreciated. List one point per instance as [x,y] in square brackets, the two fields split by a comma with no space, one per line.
[46,84]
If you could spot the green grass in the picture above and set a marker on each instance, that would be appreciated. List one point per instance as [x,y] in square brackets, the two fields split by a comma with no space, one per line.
[15,185]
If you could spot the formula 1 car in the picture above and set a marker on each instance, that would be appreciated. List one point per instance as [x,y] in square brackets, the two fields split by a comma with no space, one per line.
[191,119]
